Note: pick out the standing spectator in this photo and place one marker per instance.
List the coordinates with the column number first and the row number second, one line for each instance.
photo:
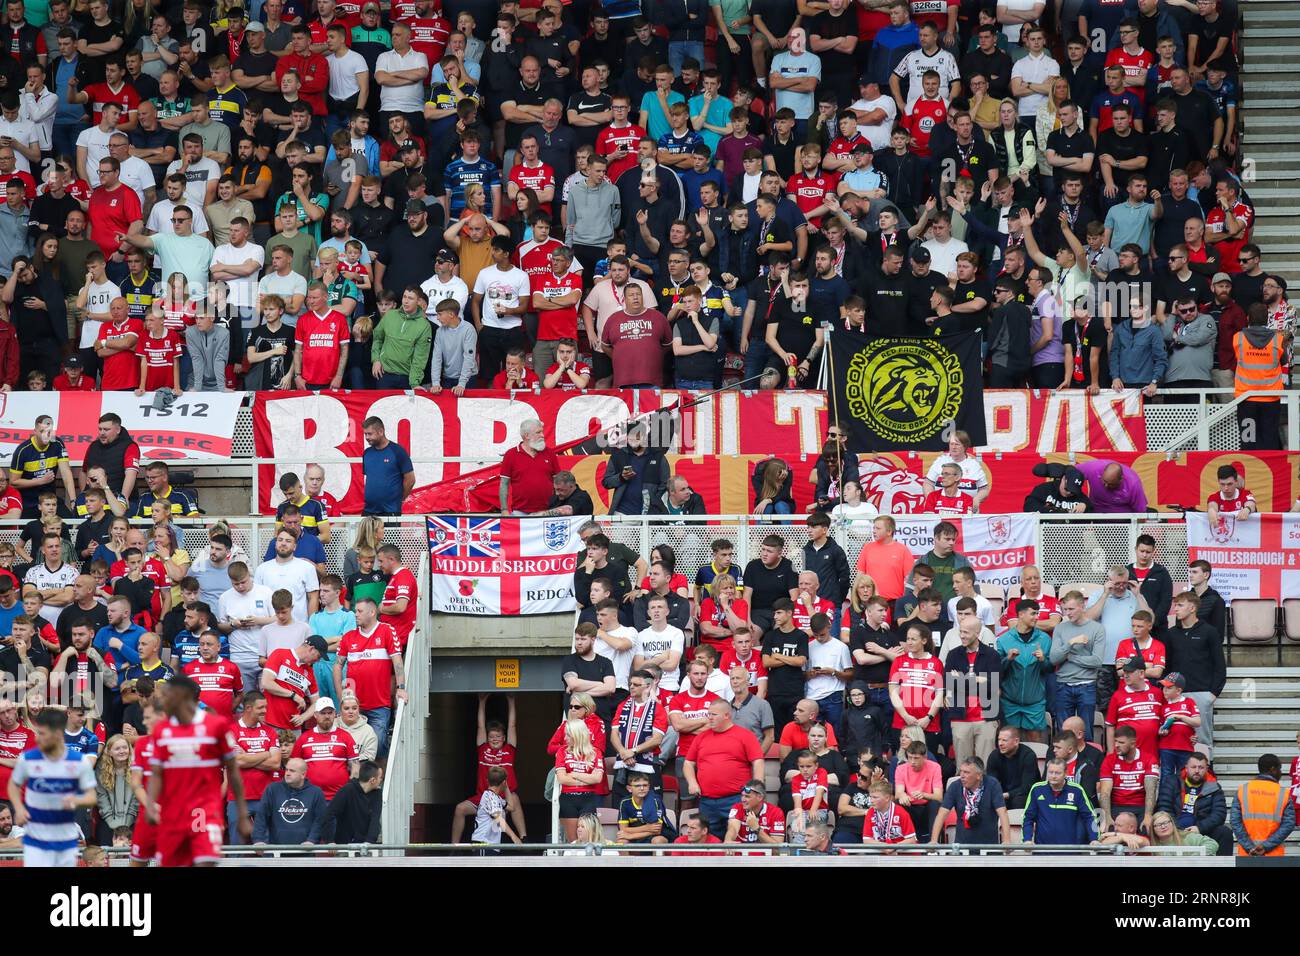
column 885, row 560
column 372, row 654
column 793, row 78
column 978, row 803
column 635, row 338
column 1213, row 611
column 390, row 476
column 587, row 672
column 1112, row 487
column 824, row 556
column 208, row 347
column 1024, row 650
column 400, row 345
column 828, row 670
column 501, row 298
column 528, row 471
column 785, row 655
column 1154, row 582
column 1077, row 648
column 916, row 686
column 660, row 645
column 181, row 251
column 972, row 675
column 1113, row 607
column 720, row 762
column 1195, row 651
column 293, row 574
column 322, row 338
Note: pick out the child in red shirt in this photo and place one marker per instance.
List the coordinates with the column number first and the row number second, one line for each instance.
column 160, row 352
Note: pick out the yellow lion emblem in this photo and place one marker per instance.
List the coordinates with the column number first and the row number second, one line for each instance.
column 904, row 390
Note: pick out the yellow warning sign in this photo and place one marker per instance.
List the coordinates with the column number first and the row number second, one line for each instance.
column 507, row 673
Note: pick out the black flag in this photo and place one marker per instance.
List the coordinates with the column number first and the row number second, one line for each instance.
column 907, row 393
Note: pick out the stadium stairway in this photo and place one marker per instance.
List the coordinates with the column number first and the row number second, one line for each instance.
column 1271, row 134
column 1258, row 712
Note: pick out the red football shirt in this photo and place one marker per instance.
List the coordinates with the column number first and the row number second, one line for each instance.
column 219, row 684
column 723, row 761
column 429, row 35
column 1181, row 736
column 327, row 753
column 558, row 323
column 754, row 665
column 611, row 139
column 938, row 503
column 1139, row 709
column 770, row 820
column 535, row 258
column 530, row 477
column 530, row 377
column 159, row 355
column 84, row 384
column 1229, row 249
column 489, row 757
column 1153, row 654
column 919, row 681
column 401, row 585
column 190, row 758
column 111, row 214
column 101, row 93
column 805, row 790
column 893, row 826
column 1126, row 777
column 692, row 708
column 1135, row 67
column 803, row 617
column 370, row 663
column 121, row 370
column 256, row 740
column 12, row 743
column 534, row 177
column 142, row 755
column 809, row 192
column 574, row 764
column 290, row 674
column 321, row 339
column 925, row 116
column 1047, row 606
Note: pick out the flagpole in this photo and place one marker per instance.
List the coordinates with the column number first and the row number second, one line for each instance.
column 828, row 376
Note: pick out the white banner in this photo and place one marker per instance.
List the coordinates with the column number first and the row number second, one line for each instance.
column 502, row 566
column 998, row 546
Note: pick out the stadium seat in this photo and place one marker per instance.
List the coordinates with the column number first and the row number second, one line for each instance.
column 608, row 817
column 1254, row 622
column 1085, row 588
column 1013, row 591
column 993, row 592
column 1291, row 618
column 1040, row 751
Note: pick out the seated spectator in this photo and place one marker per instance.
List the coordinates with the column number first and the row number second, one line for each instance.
column 678, row 499
column 723, row 614
column 1127, row 782
column 972, row 674
column 948, row 500
column 972, row 481
column 1197, row 802
column 660, row 581
column 918, row 788
column 568, row 499
column 771, row 483
column 1125, row 833
column 1014, row 766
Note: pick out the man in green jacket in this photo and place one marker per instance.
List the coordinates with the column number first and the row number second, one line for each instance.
column 400, row 344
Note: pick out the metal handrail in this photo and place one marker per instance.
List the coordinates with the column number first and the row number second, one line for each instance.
column 1201, row 430
column 410, row 717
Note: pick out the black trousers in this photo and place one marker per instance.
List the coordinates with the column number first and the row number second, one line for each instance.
column 782, row 712
column 737, row 66
column 999, row 377
column 493, row 344
column 1259, row 425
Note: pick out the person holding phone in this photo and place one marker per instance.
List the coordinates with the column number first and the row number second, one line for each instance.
column 1114, row 606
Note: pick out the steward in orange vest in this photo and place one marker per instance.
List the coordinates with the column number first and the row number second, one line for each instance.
column 1263, row 815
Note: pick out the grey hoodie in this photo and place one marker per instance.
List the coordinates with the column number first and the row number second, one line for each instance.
column 209, row 353
column 1191, row 348
column 593, row 213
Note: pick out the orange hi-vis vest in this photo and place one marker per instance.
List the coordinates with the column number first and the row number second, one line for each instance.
column 1262, row 803
column 1258, row 369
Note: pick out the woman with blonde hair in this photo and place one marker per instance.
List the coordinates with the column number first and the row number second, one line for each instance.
column 1013, row 142
column 771, row 483
column 862, row 591
column 578, row 771
column 1165, row 832
column 1047, row 122
column 117, row 803
column 369, row 534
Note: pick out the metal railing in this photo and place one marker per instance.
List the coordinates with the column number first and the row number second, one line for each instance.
column 408, row 736
column 1216, row 416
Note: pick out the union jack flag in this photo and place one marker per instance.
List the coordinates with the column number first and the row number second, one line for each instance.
column 465, row 537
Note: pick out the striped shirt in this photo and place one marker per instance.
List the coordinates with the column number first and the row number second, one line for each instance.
column 48, row 783
column 460, row 173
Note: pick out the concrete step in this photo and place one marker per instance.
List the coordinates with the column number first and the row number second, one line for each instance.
column 1273, row 704
column 1243, row 671
column 1225, row 736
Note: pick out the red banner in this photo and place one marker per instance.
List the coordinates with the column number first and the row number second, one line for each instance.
column 1071, row 421
column 304, row 427
column 1257, row 556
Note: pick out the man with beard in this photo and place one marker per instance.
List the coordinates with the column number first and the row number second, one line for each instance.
column 39, row 317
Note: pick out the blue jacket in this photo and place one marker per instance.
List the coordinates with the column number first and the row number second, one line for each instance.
column 1058, row 819
column 1137, row 356
column 128, row 653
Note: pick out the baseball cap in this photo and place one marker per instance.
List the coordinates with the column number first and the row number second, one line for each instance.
column 1220, row 277
column 1073, row 479
column 324, row 703
column 317, row 642
column 413, row 206
column 255, row 27
column 1134, row 663
column 920, row 254
column 1174, row 679
column 446, row 255
column 370, row 6
column 73, row 361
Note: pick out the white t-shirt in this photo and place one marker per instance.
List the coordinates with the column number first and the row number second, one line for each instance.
column 943, row 255
column 983, row 610
column 62, row 577
column 652, row 643
column 297, row 576
column 622, row 660
column 286, row 287
column 276, row 637
column 160, row 219
column 343, row 74
column 832, row 653
column 135, row 172
column 401, row 99
column 241, row 293
column 20, row 131
column 1034, row 69
column 877, row 134
column 915, row 65
column 245, row 642
column 1012, row 30
column 197, row 177
column 97, row 300
column 95, row 141
column 972, row 473
column 438, row 291
column 504, row 289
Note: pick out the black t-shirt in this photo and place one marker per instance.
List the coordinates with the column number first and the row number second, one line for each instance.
column 1208, row 35
column 1122, row 148
column 772, row 232
column 1173, row 288
column 93, row 33
column 778, row 15
column 595, row 670
column 521, row 95
column 1093, row 337
column 1169, row 227
column 34, row 533
column 968, row 291
column 617, row 573
column 97, row 616
column 1248, row 289
column 830, row 27
column 859, row 637
column 784, row 682
column 764, row 586
column 89, row 531
column 919, row 289
column 256, row 64
column 273, row 369
column 768, row 302
column 1196, row 116
column 887, row 304
column 140, row 593
column 995, row 66
column 583, row 103
column 37, row 656
column 782, row 154
column 796, row 331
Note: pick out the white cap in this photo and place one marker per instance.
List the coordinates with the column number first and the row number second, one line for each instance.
column 323, row 703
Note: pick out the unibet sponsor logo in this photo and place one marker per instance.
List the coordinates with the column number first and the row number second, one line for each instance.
column 904, row 391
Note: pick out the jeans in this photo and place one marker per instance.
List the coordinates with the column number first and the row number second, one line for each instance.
column 232, row 820
column 1048, row 374
column 393, row 380
column 693, row 384
column 64, row 138
column 678, row 50
column 778, row 508
column 379, row 719
column 831, row 708
column 1171, row 765
column 714, row 811
column 1075, row 699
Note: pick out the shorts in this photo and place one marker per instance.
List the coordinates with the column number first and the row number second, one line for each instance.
column 144, row 841
column 34, row 856
column 574, row 805
column 187, row 847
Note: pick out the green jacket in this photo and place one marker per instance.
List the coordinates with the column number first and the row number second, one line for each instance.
column 402, row 344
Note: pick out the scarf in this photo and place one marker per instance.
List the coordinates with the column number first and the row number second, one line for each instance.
column 972, row 803
column 882, row 824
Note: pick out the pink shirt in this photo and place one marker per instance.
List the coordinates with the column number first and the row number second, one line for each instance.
column 928, row 780
column 889, row 564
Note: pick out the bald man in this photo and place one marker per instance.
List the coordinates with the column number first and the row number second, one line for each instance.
column 115, row 346
column 1113, row 488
